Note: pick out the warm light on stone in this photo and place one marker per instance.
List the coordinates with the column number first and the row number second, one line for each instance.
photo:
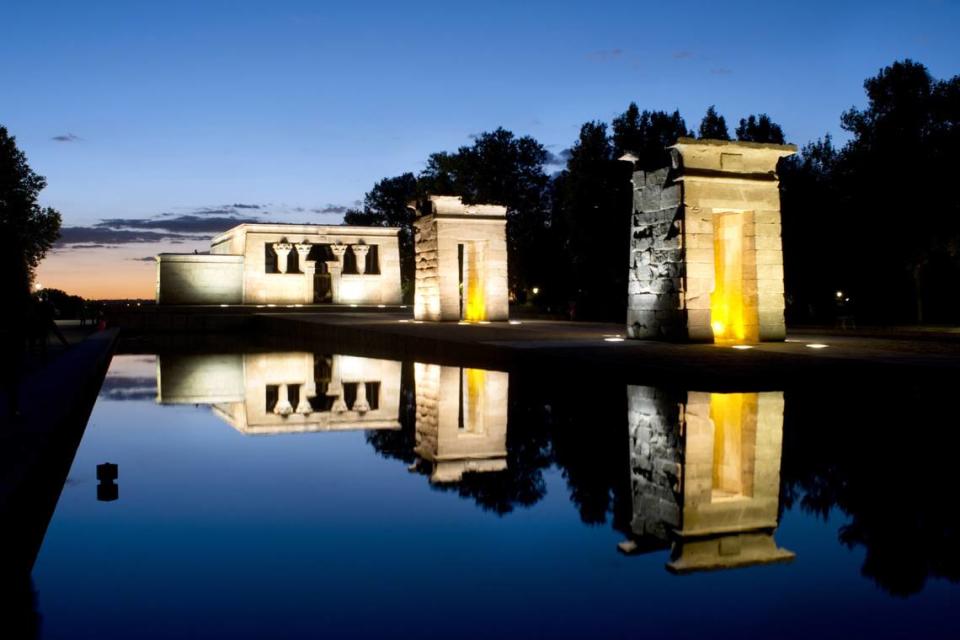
column 705, row 470
column 706, row 261
column 461, row 421
column 291, row 392
column 285, row 264
column 461, row 261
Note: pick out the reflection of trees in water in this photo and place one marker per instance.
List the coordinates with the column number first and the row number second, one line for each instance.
column 546, row 425
column 521, row 484
column 398, row 444
column 588, row 430
column 883, row 458
column 886, row 459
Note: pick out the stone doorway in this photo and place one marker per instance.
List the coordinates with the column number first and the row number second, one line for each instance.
column 734, row 316
column 470, row 263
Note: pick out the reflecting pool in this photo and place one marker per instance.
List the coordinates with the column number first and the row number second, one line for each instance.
column 303, row 494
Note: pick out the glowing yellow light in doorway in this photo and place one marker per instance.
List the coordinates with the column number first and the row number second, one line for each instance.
column 732, row 318
column 475, row 305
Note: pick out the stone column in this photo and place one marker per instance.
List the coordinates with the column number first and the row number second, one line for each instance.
column 360, row 405
column 309, row 269
column 339, row 405
column 335, row 269
column 282, row 249
column 283, row 407
column 304, row 407
column 361, row 251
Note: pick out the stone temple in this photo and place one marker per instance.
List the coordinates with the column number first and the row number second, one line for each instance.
column 286, row 264
column 706, row 259
column 461, row 261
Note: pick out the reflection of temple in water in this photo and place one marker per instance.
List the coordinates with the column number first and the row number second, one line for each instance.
column 461, row 420
column 705, row 475
column 294, row 392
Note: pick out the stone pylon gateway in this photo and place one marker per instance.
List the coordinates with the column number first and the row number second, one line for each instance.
column 706, row 259
column 461, row 261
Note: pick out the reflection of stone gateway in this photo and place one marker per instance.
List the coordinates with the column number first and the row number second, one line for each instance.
column 705, row 471
column 461, row 420
column 272, row 393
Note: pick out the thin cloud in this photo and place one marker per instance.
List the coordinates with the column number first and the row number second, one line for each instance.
column 330, row 208
column 188, row 223
column 67, row 137
column 86, row 237
column 144, row 259
column 683, row 54
column 605, row 55
column 240, row 205
column 720, row 71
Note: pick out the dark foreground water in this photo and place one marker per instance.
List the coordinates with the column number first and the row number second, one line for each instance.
column 269, row 495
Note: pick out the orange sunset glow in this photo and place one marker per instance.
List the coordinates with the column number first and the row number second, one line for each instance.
column 108, row 273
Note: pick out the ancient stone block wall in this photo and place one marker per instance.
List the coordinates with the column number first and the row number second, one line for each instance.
column 653, row 417
column 199, row 279
column 427, row 277
column 655, row 278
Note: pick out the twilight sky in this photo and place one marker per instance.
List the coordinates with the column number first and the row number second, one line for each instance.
column 157, row 123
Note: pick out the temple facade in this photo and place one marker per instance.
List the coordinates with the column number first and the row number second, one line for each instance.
column 286, row 264
column 706, row 258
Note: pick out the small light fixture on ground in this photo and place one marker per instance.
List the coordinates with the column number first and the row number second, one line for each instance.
column 613, row 338
column 742, row 347
column 816, row 345
column 515, row 322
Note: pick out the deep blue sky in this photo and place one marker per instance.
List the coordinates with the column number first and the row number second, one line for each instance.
column 295, row 104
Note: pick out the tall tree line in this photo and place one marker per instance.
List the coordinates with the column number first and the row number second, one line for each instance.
column 876, row 219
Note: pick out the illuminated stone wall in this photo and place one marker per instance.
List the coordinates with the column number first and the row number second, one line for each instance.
column 249, row 247
column 449, row 232
column 706, row 261
column 461, row 423
column 199, row 279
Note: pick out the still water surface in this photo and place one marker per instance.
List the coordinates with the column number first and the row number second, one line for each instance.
column 298, row 494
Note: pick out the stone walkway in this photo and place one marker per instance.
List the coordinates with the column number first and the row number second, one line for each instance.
column 56, row 397
column 571, row 349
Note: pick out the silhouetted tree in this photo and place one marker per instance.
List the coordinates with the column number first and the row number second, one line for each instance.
column 27, row 230
column 813, row 210
column 386, row 205
column 594, row 214
column 714, row 126
column 500, row 168
column 759, row 129
column 647, row 135
column 897, row 175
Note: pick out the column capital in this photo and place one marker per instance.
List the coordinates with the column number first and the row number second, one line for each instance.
column 361, row 251
column 338, row 251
